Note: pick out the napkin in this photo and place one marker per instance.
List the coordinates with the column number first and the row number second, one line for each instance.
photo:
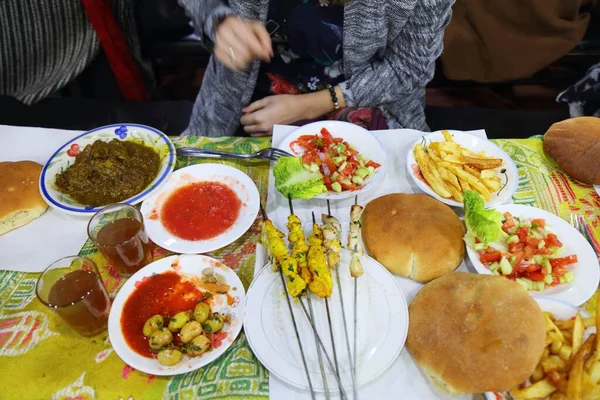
column 31, row 248
column 404, row 379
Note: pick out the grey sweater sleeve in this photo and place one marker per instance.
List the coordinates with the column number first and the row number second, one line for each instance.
column 202, row 13
column 409, row 61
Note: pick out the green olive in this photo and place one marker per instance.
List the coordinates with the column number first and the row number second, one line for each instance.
column 214, row 323
column 153, row 323
column 179, row 320
column 201, row 312
column 190, row 331
column 198, row 346
column 160, row 338
column 169, row 356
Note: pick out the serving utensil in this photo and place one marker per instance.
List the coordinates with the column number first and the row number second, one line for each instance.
column 269, row 154
column 579, row 223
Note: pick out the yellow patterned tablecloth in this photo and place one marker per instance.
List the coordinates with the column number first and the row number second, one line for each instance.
column 41, row 358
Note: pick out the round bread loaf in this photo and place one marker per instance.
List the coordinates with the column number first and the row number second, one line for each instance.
column 413, row 235
column 575, row 146
column 475, row 333
column 20, row 199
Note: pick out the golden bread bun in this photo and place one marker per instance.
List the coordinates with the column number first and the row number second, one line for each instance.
column 20, row 199
column 575, row 146
column 475, row 333
column 413, row 235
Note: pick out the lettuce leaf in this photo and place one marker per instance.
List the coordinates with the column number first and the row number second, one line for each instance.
column 481, row 223
column 294, row 180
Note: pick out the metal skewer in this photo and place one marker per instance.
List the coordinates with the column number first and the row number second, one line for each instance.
column 312, row 318
column 289, row 303
column 337, row 277
column 354, row 364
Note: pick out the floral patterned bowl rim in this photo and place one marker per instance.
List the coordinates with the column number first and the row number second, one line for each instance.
column 65, row 155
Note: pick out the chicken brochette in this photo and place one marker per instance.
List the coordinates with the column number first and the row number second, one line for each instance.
column 331, row 240
column 300, row 248
column 356, row 268
column 321, row 284
column 288, row 265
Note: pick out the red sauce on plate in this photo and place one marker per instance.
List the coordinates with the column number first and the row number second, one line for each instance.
column 165, row 294
column 200, row 211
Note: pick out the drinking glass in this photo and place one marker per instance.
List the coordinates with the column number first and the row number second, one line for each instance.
column 73, row 288
column 118, row 233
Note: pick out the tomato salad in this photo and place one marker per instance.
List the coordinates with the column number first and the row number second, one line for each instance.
column 342, row 166
column 529, row 254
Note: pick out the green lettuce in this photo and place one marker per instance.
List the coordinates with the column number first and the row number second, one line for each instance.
column 481, row 223
column 294, row 180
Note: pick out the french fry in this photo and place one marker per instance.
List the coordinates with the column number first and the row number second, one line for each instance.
column 473, row 181
column 481, row 163
column 449, row 177
column 456, row 194
column 447, row 136
column 425, row 164
column 551, row 327
column 568, row 323
column 578, row 329
column 471, row 171
column 575, row 379
column 597, row 319
column 488, row 174
column 538, row 390
column 553, row 363
column 594, row 372
column 491, row 184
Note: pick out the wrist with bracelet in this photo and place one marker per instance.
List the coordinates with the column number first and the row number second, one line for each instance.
column 334, row 99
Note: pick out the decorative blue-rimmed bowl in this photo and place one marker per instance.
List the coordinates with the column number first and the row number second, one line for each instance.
column 66, row 154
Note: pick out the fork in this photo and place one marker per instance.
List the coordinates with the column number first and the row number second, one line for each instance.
column 578, row 223
column 270, row 154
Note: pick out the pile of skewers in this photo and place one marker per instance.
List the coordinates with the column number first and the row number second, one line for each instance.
column 308, row 269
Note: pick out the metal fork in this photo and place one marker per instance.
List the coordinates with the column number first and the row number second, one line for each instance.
column 578, row 223
column 270, row 154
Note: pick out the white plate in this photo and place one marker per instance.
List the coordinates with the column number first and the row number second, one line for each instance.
column 187, row 265
column 597, row 189
column 586, row 271
column 561, row 310
column 475, row 144
column 65, row 156
column 382, row 326
column 360, row 138
column 238, row 181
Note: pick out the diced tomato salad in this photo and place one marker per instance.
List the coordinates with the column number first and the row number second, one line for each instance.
column 529, row 254
column 342, row 166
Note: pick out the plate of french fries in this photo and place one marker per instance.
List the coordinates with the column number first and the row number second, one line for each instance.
column 569, row 368
column 444, row 164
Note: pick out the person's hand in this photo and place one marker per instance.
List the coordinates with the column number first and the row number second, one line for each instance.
column 238, row 42
column 260, row 116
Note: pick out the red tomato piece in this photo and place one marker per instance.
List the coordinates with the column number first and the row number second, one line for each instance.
column 507, row 215
column 528, row 252
column 490, row 257
column 522, row 234
column 508, row 224
column 543, row 251
column 535, row 276
column 531, row 241
column 533, row 268
column 516, row 247
column 552, row 240
column 327, row 181
column 326, row 136
column 373, row 164
column 539, row 222
column 564, row 261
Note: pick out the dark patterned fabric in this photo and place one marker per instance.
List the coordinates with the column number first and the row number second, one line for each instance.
column 584, row 96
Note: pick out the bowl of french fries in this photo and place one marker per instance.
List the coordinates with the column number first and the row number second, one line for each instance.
column 569, row 368
column 445, row 164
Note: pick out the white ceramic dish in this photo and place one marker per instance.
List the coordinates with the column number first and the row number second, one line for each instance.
column 586, row 271
column 561, row 310
column 187, row 265
column 360, row 138
column 382, row 326
column 597, row 189
column 475, row 144
column 239, row 182
column 66, row 154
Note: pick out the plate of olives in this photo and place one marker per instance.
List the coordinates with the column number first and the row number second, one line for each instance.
column 177, row 314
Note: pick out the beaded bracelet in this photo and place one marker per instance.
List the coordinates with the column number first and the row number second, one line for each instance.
column 334, row 98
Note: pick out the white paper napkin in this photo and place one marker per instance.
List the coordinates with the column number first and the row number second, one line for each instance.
column 404, row 379
column 54, row 235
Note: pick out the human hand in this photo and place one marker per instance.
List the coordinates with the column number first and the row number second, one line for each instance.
column 238, row 42
column 260, row 116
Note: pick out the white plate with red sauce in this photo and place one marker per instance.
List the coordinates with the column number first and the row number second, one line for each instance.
column 135, row 303
column 201, row 208
column 359, row 138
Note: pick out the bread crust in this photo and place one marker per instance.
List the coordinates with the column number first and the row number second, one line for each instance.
column 575, row 146
column 20, row 199
column 475, row 333
column 413, row 235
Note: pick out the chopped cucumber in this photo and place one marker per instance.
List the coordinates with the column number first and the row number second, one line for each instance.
column 361, row 163
column 505, row 266
column 357, row 180
column 522, row 282
column 336, row 187
column 539, row 286
column 528, row 282
column 541, row 245
column 343, row 166
column 513, row 239
column 495, row 272
column 362, row 172
column 538, row 259
column 339, row 160
column 346, row 182
column 562, row 279
column 371, row 170
column 341, row 148
column 548, row 279
column 334, row 176
column 548, row 267
column 494, row 266
column 569, row 277
column 513, row 260
column 469, row 239
column 314, row 167
column 479, row 246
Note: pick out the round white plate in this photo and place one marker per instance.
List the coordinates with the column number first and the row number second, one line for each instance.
column 186, row 265
column 586, row 271
column 475, row 144
column 238, row 181
column 382, row 326
column 561, row 310
column 360, row 138
column 597, row 189
column 65, row 156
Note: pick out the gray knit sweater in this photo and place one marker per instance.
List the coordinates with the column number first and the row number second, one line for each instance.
column 390, row 48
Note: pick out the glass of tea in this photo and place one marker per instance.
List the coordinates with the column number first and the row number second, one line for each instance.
column 118, row 233
column 73, row 288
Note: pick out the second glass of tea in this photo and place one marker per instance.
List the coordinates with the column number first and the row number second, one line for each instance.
column 118, row 233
